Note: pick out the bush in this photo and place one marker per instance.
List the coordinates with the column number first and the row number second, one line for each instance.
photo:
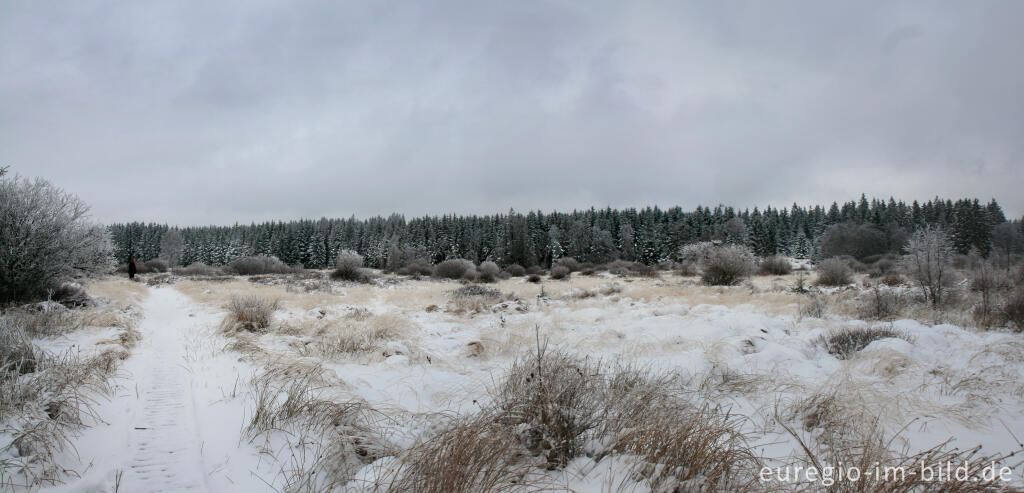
column 686, row 269
column 456, row 268
column 833, row 272
column 560, row 272
column 727, row 266
column 534, row 278
column 569, row 263
column 416, row 268
column 515, row 270
column 844, row 343
column 882, row 304
column 349, row 267
column 248, row 266
column 928, row 259
column 775, row 266
column 197, row 269
column 147, row 267
column 251, row 313
column 46, row 239
column 489, row 272
column 625, row 268
column 1013, row 309
column 71, row 296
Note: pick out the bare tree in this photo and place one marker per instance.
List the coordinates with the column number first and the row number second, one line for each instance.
column 45, row 238
column 928, row 257
column 171, row 246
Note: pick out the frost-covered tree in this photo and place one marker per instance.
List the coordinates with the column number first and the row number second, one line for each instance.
column 46, row 238
column 929, row 254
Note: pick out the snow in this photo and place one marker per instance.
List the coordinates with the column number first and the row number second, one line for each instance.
column 181, row 404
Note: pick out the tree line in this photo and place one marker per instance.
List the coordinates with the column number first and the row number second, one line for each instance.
column 649, row 235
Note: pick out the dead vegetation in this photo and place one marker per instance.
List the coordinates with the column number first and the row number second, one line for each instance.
column 47, row 397
column 250, row 313
column 844, row 343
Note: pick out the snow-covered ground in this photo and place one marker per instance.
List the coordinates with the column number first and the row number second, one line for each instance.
column 417, row 355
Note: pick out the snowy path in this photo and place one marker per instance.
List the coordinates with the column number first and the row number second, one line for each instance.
column 174, row 423
column 167, row 454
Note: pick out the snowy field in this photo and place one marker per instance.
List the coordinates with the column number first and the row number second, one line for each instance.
column 593, row 383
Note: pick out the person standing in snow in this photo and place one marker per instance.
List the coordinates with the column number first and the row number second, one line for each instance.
column 131, row 269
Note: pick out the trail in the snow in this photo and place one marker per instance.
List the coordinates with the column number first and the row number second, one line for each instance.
column 166, row 447
column 173, row 422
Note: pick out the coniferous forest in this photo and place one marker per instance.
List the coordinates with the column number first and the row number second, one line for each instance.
column 649, row 235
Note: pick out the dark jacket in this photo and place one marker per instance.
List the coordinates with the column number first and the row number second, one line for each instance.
column 131, row 267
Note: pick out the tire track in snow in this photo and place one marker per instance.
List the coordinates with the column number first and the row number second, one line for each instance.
column 165, row 442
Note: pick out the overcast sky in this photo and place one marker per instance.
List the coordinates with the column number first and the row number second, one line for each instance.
column 216, row 112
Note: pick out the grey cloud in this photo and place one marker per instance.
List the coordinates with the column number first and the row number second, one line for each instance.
column 192, row 112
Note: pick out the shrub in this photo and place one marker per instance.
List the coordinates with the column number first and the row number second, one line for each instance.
column 560, row 272
column 816, row 307
column 1013, row 309
column 416, row 268
column 71, row 296
column 727, row 266
column 251, row 313
column 256, row 265
column 892, row 279
column 569, row 263
column 489, row 272
column 686, row 269
column 515, row 270
column 197, row 269
column 929, row 254
column 349, row 267
column 833, row 272
column 844, row 343
column 775, row 266
column 46, row 239
column 534, row 278
column 882, row 304
column 455, row 268
column 625, row 268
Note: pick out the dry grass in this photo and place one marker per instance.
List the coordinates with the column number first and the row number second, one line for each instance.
column 119, row 290
column 328, row 439
column 249, row 313
column 844, row 343
column 472, row 454
column 43, row 408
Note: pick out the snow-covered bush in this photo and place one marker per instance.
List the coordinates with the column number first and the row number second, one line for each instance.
column 569, row 263
column 197, row 269
column 489, row 272
column 928, row 259
column 727, row 265
column 456, row 268
column 833, row 272
column 775, row 266
column 560, row 272
column 349, row 267
column 46, row 238
column 259, row 265
column 515, row 270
